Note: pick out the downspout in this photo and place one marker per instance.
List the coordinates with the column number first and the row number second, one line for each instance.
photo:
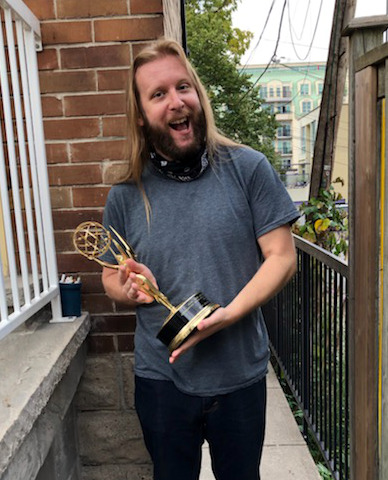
column 183, row 23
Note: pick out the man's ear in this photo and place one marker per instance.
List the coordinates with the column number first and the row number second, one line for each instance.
column 140, row 121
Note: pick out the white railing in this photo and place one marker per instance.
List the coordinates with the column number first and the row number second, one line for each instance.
column 28, row 268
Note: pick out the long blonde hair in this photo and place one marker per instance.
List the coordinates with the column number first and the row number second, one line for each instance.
column 137, row 153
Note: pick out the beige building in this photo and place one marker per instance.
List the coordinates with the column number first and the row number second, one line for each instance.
column 304, row 152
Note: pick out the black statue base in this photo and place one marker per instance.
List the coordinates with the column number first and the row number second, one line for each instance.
column 182, row 322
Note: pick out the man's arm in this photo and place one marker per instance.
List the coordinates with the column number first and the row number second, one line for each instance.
column 278, row 267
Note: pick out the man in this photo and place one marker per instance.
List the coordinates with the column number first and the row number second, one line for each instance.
column 197, row 208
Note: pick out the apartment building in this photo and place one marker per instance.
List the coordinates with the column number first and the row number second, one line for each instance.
column 293, row 92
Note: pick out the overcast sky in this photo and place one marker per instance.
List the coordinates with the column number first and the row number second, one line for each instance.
column 305, row 30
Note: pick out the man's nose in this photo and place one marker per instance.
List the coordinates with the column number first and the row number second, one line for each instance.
column 176, row 103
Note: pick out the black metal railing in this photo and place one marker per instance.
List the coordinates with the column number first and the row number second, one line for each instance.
column 308, row 328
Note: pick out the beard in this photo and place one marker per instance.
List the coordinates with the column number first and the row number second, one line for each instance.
column 163, row 142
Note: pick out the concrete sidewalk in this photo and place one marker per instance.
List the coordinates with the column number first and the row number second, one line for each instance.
column 285, row 454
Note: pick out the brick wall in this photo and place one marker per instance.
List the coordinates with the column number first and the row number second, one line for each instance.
column 87, row 50
column 88, row 46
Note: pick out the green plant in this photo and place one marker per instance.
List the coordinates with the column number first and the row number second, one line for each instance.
column 324, row 472
column 323, row 223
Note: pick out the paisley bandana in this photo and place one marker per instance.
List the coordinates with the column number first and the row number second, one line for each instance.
column 186, row 171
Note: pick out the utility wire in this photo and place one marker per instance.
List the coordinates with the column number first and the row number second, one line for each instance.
column 261, row 35
column 304, row 21
column 273, row 55
column 312, row 38
column 307, row 69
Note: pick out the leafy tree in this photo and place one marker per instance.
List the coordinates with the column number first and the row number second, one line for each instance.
column 215, row 49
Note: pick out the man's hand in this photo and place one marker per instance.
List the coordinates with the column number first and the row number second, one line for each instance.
column 127, row 277
column 121, row 286
column 208, row 326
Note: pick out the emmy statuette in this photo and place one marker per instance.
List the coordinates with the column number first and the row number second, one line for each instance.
column 93, row 240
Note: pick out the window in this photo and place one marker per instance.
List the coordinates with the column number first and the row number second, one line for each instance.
column 303, row 134
column 286, row 163
column 271, row 92
column 320, row 88
column 283, row 108
column 306, row 106
column 313, row 130
column 284, row 130
column 286, row 91
column 278, row 92
column 263, row 92
column 304, row 89
column 284, row 147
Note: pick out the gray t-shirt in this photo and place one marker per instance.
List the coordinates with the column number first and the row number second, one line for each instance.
column 203, row 237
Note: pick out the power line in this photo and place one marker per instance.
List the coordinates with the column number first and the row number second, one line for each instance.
column 274, row 53
column 297, row 44
column 314, row 33
column 304, row 21
column 261, row 35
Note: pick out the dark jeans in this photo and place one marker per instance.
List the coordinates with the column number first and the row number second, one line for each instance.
column 175, row 425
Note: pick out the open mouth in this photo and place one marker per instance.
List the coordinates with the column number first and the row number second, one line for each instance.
column 179, row 125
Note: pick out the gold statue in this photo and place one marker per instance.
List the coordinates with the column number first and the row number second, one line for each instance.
column 93, row 240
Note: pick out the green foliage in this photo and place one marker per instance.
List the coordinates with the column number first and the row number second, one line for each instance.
column 324, row 472
column 215, row 49
column 324, row 223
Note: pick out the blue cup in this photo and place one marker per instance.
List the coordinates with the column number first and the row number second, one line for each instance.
column 70, row 299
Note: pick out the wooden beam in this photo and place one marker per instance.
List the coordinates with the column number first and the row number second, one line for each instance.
column 374, row 57
column 379, row 22
column 365, row 273
column 332, row 99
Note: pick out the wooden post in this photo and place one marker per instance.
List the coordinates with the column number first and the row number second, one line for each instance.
column 364, row 173
column 332, row 98
column 384, row 300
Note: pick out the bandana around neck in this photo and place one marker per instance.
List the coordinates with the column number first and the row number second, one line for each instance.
column 185, row 171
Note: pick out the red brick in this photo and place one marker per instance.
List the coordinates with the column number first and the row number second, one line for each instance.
column 43, row 9
column 99, row 104
column 56, row 153
column 125, row 342
column 61, row 82
column 91, row 283
column 91, row 8
column 64, row 242
column 128, row 29
column 74, row 174
column 52, row 107
column 91, row 57
column 48, row 59
column 97, row 151
column 114, row 126
column 114, row 172
column 90, row 197
column 70, row 219
column 149, row 6
column 114, row 323
column 71, row 128
column 96, row 303
column 138, row 47
column 61, row 197
column 66, row 32
column 100, row 344
column 75, row 263
column 112, row 79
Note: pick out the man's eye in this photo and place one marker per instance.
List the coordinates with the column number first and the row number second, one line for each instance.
column 184, row 86
column 157, row 94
